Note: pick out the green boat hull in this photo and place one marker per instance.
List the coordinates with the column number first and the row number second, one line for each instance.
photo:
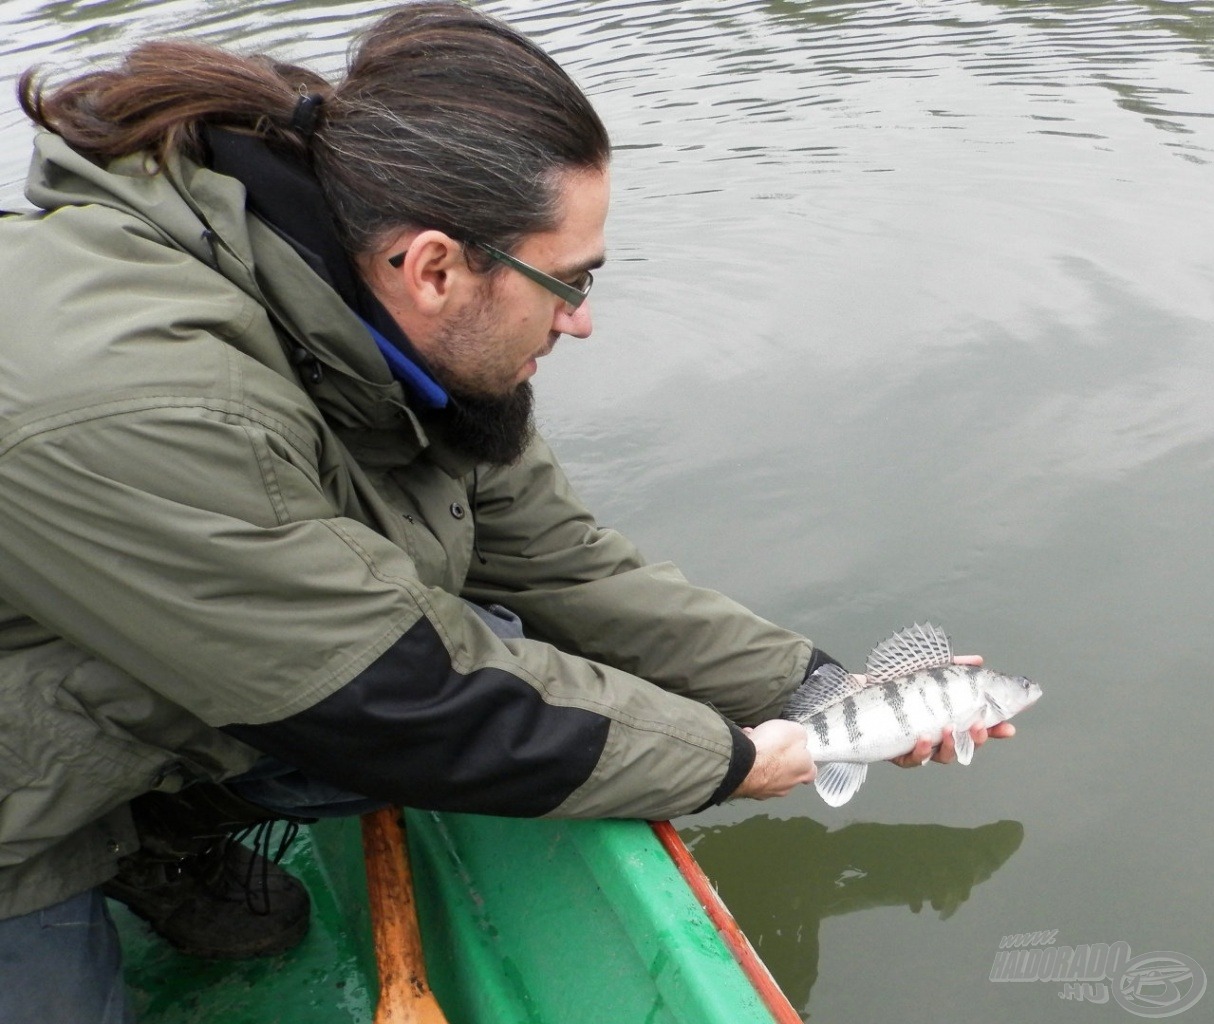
column 522, row 921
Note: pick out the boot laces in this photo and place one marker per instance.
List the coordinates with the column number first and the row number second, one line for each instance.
column 251, row 874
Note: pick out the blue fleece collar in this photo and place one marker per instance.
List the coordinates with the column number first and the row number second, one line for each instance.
column 405, row 370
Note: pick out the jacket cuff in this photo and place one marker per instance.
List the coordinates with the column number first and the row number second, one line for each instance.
column 817, row 659
column 740, row 762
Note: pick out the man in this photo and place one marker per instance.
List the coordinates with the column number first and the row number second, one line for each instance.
column 274, row 514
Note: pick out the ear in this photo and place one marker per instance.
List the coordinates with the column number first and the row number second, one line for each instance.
column 431, row 276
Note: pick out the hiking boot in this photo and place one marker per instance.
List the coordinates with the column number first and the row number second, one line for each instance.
column 200, row 888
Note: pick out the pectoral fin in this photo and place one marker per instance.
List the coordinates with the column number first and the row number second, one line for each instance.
column 838, row 781
column 963, row 743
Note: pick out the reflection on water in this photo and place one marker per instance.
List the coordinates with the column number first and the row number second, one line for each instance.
column 782, row 878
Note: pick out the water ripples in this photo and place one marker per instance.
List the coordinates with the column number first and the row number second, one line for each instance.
column 908, row 307
column 694, row 72
column 746, row 79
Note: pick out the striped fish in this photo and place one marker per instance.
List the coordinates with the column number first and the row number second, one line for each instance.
column 911, row 688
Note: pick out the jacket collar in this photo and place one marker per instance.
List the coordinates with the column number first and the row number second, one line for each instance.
column 205, row 213
column 285, row 194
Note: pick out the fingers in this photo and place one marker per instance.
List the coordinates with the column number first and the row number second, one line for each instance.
column 917, row 756
column 946, row 751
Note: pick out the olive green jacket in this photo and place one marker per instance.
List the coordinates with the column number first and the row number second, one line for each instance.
column 192, row 536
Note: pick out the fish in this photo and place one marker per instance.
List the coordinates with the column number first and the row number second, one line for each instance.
column 910, row 688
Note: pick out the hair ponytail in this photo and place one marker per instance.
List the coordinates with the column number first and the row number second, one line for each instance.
column 447, row 118
column 154, row 101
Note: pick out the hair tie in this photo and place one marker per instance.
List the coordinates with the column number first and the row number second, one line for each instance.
column 306, row 114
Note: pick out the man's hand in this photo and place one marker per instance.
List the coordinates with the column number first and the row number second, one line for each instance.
column 925, row 749
column 782, row 760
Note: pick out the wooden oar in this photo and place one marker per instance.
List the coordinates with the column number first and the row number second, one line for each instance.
column 404, row 994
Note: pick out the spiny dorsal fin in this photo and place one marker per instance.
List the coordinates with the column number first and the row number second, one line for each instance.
column 914, row 649
column 828, row 685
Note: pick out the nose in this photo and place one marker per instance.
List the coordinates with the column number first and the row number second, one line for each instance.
column 577, row 324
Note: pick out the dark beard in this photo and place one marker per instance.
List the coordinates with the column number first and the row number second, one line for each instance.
column 492, row 430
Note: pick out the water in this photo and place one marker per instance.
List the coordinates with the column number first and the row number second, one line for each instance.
column 908, row 315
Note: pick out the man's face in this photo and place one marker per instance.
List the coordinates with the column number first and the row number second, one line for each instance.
column 490, row 347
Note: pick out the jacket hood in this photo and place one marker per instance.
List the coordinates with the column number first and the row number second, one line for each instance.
column 283, row 191
column 210, row 216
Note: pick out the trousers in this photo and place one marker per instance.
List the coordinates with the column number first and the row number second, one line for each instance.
column 63, row 964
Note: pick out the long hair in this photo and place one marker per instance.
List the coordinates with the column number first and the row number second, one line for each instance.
column 446, row 118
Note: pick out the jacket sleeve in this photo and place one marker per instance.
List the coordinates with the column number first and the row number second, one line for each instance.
column 191, row 543
column 587, row 589
column 482, row 741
